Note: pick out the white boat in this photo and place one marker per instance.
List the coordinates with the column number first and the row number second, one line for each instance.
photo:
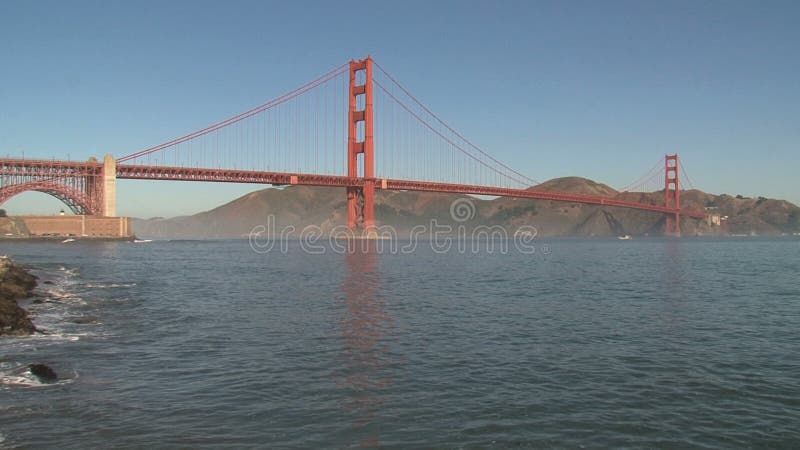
column 140, row 241
column 67, row 240
column 626, row 237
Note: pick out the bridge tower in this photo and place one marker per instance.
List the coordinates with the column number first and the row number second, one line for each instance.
column 109, row 180
column 361, row 199
column 672, row 194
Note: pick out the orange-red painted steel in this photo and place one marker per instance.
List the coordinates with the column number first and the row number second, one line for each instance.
column 77, row 184
column 80, row 184
column 672, row 195
column 361, row 199
column 59, row 170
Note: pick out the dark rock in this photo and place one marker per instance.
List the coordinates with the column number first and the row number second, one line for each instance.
column 44, row 373
column 85, row 320
column 15, row 284
column 47, row 282
column 14, row 320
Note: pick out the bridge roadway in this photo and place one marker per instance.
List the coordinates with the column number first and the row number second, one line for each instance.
column 137, row 172
column 54, row 170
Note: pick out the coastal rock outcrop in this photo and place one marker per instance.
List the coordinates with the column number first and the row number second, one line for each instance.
column 15, row 284
column 43, row 372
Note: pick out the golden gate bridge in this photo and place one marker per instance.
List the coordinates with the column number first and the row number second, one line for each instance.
column 355, row 127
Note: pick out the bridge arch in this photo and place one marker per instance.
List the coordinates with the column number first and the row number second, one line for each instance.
column 78, row 201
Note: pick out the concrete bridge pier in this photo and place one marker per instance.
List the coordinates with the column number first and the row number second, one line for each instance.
column 109, row 203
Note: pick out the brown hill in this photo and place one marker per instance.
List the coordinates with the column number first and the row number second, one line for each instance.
column 760, row 215
column 576, row 185
column 300, row 206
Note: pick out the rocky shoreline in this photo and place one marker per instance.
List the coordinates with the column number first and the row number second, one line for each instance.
column 15, row 284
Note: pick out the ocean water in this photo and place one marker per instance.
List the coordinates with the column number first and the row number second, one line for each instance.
column 582, row 343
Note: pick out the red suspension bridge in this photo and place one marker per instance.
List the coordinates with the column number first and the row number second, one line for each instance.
column 324, row 133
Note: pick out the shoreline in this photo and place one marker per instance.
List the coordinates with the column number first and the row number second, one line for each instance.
column 16, row 283
column 63, row 238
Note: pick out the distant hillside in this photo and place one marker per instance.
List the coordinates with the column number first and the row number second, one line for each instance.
column 300, row 206
column 576, row 185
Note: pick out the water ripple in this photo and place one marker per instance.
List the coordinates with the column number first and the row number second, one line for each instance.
column 206, row 344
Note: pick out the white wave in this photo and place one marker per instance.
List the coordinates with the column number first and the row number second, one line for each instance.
column 66, row 337
column 59, row 294
column 49, row 335
column 71, row 272
column 55, row 308
column 29, row 380
column 109, row 285
column 20, row 381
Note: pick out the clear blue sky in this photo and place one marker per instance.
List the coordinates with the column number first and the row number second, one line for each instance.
column 600, row 89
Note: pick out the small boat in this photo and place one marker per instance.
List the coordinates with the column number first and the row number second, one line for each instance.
column 141, row 241
column 626, row 237
column 67, row 240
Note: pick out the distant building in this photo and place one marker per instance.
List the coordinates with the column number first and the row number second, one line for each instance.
column 78, row 225
column 712, row 217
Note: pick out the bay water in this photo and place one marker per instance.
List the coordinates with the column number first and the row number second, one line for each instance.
column 665, row 343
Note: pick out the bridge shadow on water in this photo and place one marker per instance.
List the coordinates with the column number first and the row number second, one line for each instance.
column 368, row 363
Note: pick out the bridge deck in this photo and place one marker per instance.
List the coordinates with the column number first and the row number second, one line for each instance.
column 125, row 171
column 64, row 169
